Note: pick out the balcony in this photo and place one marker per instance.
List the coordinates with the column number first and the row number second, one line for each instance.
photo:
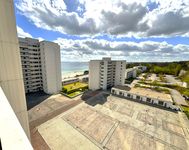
column 12, row 134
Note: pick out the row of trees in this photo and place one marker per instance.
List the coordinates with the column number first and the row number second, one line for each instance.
column 171, row 68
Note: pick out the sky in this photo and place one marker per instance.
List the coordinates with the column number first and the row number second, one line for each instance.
column 132, row 30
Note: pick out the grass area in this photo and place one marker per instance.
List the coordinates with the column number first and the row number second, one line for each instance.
column 74, row 89
column 74, row 86
column 186, row 110
column 74, row 94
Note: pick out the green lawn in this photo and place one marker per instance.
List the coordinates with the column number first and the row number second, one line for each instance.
column 74, row 89
column 74, row 94
column 75, row 86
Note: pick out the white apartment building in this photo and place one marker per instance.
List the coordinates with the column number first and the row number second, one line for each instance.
column 41, row 65
column 51, row 67
column 106, row 73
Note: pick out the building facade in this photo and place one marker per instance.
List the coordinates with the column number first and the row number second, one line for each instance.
column 41, row 65
column 106, row 73
column 31, row 64
column 11, row 78
column 51, row 67
column 130, row 73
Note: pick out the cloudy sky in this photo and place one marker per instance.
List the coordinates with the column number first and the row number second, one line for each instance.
column 135, row 30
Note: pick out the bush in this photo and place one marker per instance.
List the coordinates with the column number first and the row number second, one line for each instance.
column 64, row 90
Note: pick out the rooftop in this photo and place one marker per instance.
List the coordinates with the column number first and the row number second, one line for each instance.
column 147, row 93
column 123, row 125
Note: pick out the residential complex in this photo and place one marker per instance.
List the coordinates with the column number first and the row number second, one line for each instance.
column 41, row 65
column 106, row 73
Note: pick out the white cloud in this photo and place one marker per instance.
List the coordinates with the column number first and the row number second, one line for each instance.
column 84, row 50
column 111, row 17
column 22, row 33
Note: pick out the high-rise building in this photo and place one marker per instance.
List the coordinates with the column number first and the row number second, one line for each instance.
column 106, row 73
column 11, row 84
column 31, row 64
column 51, row 67
column 41, row 65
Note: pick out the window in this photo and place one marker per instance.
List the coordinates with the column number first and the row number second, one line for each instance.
column 128, row 95
column 138, row 97
column 160, row 103
column 148, row 100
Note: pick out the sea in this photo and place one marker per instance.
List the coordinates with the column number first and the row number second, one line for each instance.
column 72, row 67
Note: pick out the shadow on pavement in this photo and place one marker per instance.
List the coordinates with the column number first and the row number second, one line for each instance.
column 97, row 99
column 35, row 98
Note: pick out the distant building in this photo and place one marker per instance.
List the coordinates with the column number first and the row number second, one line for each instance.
column 130, row 73
column 69, row 81
column 141, row 68
column 41, row 65
column 106, row 73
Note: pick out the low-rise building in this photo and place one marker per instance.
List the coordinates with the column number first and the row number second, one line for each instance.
column 69, row 81
column 145, row 95
column 106, row 73
column 141, row 68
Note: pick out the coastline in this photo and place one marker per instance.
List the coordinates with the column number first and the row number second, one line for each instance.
column 66, row 75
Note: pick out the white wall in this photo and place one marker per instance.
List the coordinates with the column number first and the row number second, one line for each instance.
column 51, row 67
column 11, row 78
column 94, row 75
column 120, row 73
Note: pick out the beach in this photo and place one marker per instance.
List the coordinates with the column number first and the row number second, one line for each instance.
column 71, row 74
column 71, row 69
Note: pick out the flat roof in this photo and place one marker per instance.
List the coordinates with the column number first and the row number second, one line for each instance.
column 147, row 93
column 122, row 125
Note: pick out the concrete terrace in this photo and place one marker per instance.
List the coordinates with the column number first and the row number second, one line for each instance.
column 114, row 124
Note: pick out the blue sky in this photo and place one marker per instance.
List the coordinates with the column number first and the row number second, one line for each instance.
column 132, row 30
